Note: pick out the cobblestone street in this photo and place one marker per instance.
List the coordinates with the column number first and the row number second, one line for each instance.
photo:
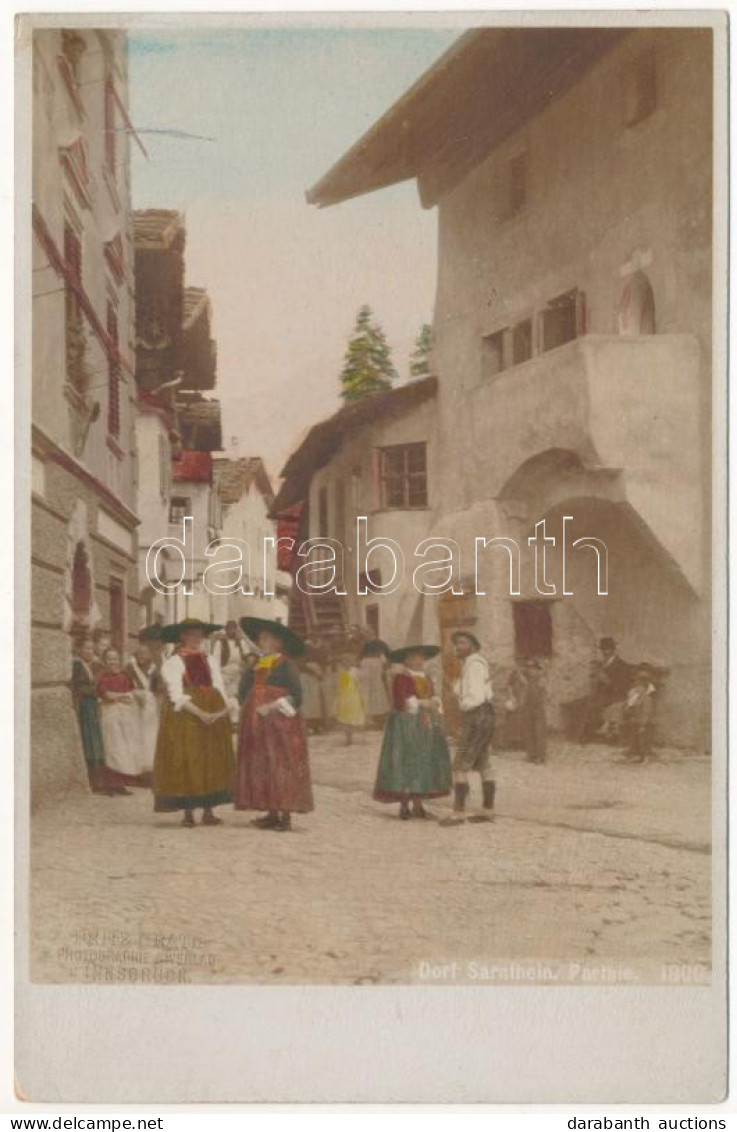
column 595, row 867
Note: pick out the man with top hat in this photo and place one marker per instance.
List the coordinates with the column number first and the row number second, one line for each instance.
column 273, row 763
column 193, row 764
column 414, row 762
column 474, row 694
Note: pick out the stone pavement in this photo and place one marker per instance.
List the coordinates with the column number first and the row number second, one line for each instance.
column 594, row 870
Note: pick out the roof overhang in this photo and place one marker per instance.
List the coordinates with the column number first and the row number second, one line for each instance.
column 326, row 438
column 478, row 93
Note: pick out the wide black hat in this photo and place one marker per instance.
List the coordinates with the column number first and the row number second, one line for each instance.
column 400, row 655
column 469, row 637
column 172, row 633
column 292, row 644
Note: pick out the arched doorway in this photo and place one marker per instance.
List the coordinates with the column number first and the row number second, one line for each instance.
column 637, row 306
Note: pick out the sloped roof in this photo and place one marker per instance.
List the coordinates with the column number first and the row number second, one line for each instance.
column 196, row 303
column 481, row 90
column 234, row 478
column 192, row 467
column 156, row 227
column 326, row 438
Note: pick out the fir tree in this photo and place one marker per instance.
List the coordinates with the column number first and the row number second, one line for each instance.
column 367, row 368
column 419, row 362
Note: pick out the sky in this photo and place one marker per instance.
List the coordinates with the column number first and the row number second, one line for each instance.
column 272, row 109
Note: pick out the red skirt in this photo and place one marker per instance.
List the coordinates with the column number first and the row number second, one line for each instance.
column 273, row 764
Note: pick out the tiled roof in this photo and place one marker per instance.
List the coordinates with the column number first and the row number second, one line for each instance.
column 234, row 477
column 192, row 467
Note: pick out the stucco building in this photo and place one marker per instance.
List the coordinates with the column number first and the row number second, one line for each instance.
column 83, row 445
column 571, row 170
column 246, row 498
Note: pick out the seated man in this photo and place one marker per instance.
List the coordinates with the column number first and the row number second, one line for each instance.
column 610, row 681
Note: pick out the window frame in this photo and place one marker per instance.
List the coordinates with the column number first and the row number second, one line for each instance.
column 404, row 478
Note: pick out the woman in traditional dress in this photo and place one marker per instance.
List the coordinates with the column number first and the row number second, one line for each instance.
column 193, row 766
column 142, row 673
column 349, row 712
column 86, row 703
column 273, row 763
column 373, row 666
column 121, row 730
column 414, row 761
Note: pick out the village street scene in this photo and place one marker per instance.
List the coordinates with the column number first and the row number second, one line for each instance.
column 370, row 497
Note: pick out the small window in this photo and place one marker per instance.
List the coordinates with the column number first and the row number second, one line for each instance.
column 179, row 508
column 522, row 342
column 495, row 353
column 639, row 90
column 562, row 319
column 403, row 476
column 533, row 629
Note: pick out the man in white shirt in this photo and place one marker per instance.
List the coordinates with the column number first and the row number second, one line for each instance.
column 474, row 694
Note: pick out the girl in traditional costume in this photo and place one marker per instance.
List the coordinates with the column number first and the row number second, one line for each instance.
column 142, row 673
column 349, row 711
column 273, row 763
column 414, row 761
column 193, row 766
column 121, row 732
column 86, row 703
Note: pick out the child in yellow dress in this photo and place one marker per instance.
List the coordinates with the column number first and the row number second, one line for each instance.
column 349, row 710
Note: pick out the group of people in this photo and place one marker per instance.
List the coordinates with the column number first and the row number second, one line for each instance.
column 345, row 683
column 166, row 719
column 621, row 701
column 117, row 707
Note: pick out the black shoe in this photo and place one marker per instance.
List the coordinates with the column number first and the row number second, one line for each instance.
column 270, row 821
column 283, row 824
column 404, row 812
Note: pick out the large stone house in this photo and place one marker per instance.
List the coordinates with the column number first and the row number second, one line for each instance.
column 83, row 445
column 571, row 169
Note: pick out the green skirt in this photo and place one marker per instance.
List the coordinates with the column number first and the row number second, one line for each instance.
column 194, row 764
column 414, row 759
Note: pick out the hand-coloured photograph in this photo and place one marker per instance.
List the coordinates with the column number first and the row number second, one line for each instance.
column 371, row 376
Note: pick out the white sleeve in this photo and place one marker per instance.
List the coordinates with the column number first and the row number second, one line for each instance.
column 475, row 684
column 285, row 707
column 172, row 673
column 412, row 704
